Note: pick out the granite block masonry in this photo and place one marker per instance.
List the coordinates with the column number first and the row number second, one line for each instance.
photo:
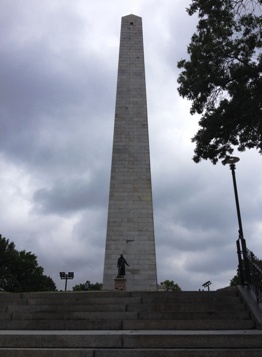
column 130, row 226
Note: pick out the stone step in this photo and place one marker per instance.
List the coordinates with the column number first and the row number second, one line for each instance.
column 60, row 325
column 60, row 296
column 182, row 307
column 67, row 295
column 187, row 295
column 108, row 315
column 92, row 307
column 191, row 300
column 87, row 352
column 116, row 315
column 113, row 298
column 236, row 324
column 87, row 301
column 67, row 308
column 133, row 339
column 223, row 292
column 116, row 301
column 206, row 324
column 211, row 315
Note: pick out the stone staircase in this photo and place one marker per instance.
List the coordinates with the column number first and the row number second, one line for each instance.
column 130, row 324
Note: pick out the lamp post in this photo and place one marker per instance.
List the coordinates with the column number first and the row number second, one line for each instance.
column 67, row 276
column 206, row 285
column 241, row 243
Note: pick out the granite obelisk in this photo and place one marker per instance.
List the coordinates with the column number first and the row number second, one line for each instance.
column 130, row 226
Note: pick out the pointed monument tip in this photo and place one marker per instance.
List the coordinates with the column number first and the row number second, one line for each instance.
column 132, row 15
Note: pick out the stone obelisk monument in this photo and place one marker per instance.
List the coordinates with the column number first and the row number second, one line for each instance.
column 130, row 226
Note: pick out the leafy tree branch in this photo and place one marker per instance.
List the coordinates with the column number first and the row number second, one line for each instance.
column 19, row 270
column 223, row 77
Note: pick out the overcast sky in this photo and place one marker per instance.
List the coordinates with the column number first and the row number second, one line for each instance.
column 58, row 70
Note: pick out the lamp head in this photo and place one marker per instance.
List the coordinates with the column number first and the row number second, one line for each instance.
column 230, row 160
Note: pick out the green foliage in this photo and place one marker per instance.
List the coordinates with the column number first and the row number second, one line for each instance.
column 223, row 77
column 79, row 287
column 92, row 287
column 255, row 273
column 96, row 286
column 169, row 285
column 235, row 280
column 19, row 271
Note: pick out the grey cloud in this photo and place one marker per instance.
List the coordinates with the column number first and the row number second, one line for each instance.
column 212, row 261
column 48, row 95
column 73, row 195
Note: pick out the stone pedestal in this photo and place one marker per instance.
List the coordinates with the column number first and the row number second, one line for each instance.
column 120, row 284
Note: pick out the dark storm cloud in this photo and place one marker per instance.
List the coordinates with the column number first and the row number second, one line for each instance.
column 73, row 195
column 39, row 101
column 51, row 87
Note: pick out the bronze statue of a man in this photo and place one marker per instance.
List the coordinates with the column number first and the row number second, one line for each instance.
column 121, row 265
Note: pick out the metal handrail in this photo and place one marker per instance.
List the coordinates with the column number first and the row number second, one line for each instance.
column 255, row 270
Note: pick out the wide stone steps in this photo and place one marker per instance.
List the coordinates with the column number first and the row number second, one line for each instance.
column 133, row 343
column 124, row 311
column 116, row 315
column 130, row 324
column 127, row 325
column 159, row 307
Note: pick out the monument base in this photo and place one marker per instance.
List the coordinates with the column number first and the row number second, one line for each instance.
column 120, row 284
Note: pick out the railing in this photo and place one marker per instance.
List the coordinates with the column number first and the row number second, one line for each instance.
column 250, row 269
column 255, row 274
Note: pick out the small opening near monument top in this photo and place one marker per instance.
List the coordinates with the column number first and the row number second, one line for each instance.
column 131, row 23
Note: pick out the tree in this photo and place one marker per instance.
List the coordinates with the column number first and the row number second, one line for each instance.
column 96, row 286
column 79, row 287
column 223, row 77
column 19, row 271
column 236, row 279
column 169, row 285
column 92, row 287
column 255, row 272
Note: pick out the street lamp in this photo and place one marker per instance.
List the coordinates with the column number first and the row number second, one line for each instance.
column 206, row 285
column 65, row 276
column 241, row 243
